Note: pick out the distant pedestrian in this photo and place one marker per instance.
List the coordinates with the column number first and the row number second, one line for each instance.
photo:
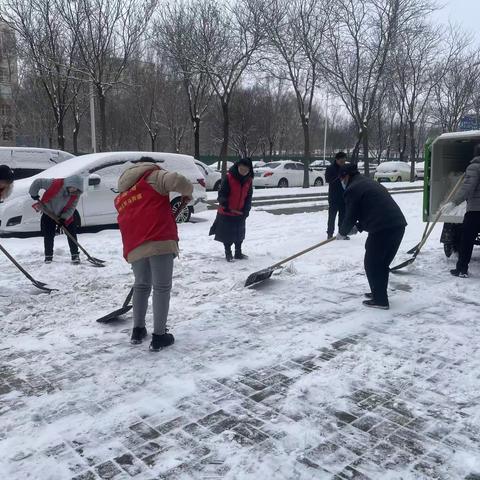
column 470, row 192
column 235, row 200
column 150, row 242
column 336, row 202
column 370, row 207
column 60, row 198
column 6, row 181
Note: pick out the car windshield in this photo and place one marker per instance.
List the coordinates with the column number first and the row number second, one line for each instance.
column 272, row 165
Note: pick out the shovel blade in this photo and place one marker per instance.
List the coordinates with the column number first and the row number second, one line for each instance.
column 403, row 265
column 413, row 249
column 96, row 262
column 259, row 276
column 114, row 315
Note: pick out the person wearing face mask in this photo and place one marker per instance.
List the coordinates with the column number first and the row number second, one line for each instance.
column 336, row 203
column 6, row 181
column 235, row 202
column 370, row 207
column 60, row 197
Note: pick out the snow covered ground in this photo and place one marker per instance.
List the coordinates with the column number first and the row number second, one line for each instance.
column 293, row 380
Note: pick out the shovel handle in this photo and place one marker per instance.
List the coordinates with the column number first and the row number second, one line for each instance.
column 303, row 252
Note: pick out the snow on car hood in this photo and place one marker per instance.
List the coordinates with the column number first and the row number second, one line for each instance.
column 84, row 164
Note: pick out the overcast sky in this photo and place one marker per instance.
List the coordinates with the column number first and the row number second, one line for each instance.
column 466, row 12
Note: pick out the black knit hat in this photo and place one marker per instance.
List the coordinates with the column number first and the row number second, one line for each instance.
column 246, row 161
column 349, row 169
column 6, row 173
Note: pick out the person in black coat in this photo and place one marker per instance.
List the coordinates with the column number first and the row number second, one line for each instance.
column 370, row 207
column 336, row 203
column 235, row 202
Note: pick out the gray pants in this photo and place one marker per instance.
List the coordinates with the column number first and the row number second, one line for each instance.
column 156, row 271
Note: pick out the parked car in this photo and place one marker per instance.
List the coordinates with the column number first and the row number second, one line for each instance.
column 320, row 164
column 285, row 173
column 101, row 172
column 372, row 167
column 213, row 178
column 26, row 162
column 420, row 170
column 393, row 172
column 258, row 163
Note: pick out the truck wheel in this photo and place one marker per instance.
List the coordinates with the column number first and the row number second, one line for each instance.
column 448, row 249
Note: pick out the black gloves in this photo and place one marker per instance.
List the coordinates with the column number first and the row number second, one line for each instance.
column 35, row 197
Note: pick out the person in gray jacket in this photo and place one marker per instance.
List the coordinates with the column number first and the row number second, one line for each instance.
column 60, row 197
column 470, row 192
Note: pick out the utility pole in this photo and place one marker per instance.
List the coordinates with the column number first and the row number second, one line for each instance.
column 92, row 119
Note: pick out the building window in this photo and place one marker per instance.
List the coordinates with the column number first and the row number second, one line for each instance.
column 5, row 110
column 7, row 133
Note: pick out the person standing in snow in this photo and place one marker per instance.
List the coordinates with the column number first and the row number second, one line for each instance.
column 150, row 242
column 235, row 200
column 370, row 207
column 6, row 181
column 336, row 202
column 60, row 198
column 469, row 192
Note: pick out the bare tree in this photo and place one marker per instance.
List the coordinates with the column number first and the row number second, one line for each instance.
column 177, row 41
column 416, row 73
column 454, row 94
column 227, row 38
column 296, row 30
column 108, row 33
column 362, row 34
column 49, row 46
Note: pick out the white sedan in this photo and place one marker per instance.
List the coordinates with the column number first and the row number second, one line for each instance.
column 393, row 172
column 213, row 178
column 285, row 173
column 101, row 172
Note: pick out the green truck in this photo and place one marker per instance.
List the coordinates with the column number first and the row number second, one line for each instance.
column 446, row 159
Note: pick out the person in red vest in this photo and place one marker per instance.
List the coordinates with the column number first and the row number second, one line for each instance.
column 235, row 200
column 61, row 197
column 150, row 242
column 6, row 181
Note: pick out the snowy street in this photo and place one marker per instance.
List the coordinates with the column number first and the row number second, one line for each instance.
column 292, row 380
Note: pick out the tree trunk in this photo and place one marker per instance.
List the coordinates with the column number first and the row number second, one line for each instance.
column 306, row 152
column 411, row 125
column 226, row 132
column 75, row 138
column 270, row 149
column 366, row 162
column 103, row 120
column 153, row 139
column 60, row 134
column 196, row 134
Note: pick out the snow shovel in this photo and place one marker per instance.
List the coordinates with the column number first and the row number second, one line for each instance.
column 266, row 273
column 414, row 249
column 96, row 262
column 126, row 307
column 430, row 230
column 36, row 283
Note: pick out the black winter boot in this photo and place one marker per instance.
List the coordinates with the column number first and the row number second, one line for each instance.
column 138, row 334
column 161, row 341
column 75, row 259
column 228, row 253
column 238, row 253
column 48, row 259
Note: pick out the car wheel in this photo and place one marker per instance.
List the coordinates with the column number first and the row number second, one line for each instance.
column 216, row 187
column 318, row 182
column 448, row 249
column 399, row 179
column 185, row 214
column 283, row 183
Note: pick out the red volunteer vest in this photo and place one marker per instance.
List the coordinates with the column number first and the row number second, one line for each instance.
column 144, row 216
column 238, row 195
column 52, row 191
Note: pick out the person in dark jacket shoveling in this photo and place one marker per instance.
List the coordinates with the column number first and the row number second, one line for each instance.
column 235, row 200
column 369, row 206
column 336, row 202
column 60, row 198
column 469, row 192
